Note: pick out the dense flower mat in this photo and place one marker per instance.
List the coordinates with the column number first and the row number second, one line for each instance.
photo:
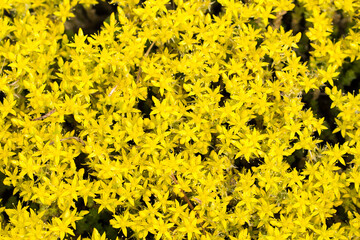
column 179, row 120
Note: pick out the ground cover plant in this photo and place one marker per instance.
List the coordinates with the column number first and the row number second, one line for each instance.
column 178, row 119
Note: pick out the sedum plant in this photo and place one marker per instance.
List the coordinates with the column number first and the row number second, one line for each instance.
column 177, row 122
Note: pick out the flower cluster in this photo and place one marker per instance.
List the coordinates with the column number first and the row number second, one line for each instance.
column 177, row 121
